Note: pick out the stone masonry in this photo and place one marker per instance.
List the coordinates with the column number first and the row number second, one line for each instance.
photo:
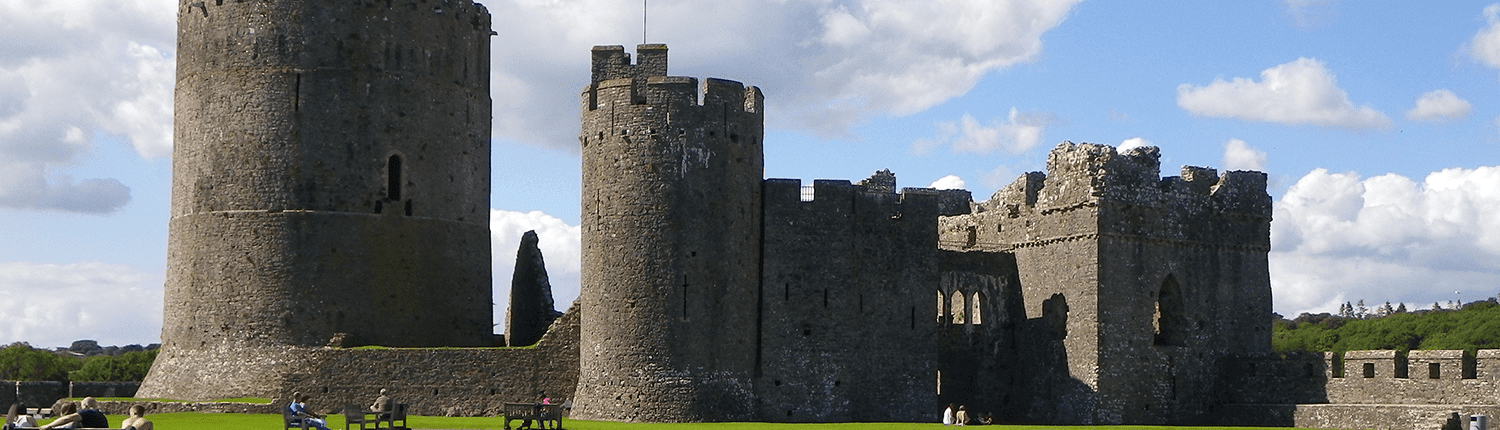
column 330, row 184
column 331, row 191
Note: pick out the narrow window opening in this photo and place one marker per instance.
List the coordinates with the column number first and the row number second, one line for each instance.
column 958, row 306
column 408, row 208
column 913, row 317
column 1170, row 321
column 297, row 94
column 1434, row 371
column 825, row 298
column 393, row 178
column 684, row 298
column 974, row 309
column 786, row 292
column 1369, row 369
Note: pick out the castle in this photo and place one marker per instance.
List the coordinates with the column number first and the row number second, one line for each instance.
column 330, row 190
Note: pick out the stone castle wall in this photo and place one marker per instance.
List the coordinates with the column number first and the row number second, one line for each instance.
column 671, row 243
column 842, row 336
column 330, row 184
column 1145, row 282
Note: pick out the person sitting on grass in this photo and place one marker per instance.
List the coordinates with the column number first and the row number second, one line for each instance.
column 137, row 419
column 298, row 408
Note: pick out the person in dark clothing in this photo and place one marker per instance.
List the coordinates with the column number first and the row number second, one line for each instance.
column 87, row 417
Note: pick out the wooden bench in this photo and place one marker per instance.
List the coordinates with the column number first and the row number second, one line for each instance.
column 528, row 412
column 286, row 420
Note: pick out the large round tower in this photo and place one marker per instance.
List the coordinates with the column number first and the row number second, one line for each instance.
column 671, row 243
column 330, row 185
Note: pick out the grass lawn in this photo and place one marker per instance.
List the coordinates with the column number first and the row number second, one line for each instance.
column 197, row 420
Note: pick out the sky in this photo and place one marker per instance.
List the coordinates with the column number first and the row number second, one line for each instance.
column 1373, row 122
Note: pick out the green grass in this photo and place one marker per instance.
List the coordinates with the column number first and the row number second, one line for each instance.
column 187, row 420
column 250, row 400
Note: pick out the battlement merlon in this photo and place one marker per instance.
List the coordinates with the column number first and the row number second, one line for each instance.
column 615, row 79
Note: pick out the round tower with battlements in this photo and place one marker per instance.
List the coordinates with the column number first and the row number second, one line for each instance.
column 671, row 243
column 330, row 187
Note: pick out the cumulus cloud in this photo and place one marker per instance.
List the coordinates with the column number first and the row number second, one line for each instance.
column 1438, row 106
column 950, row 182
column 1340, row 237
column 824, row 65
column 561, row 250
column 1132, row 143
column 1017, row 133
column 1485, row 45
column 1240, row 156
column 53, row 305
column 61, row 67
column 1300, row 92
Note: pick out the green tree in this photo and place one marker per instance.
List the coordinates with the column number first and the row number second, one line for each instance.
column 20, row 362
column 131, row 366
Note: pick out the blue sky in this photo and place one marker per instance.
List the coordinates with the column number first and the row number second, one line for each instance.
column 1374, row 123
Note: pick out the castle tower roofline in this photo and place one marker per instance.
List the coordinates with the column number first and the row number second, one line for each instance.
column 645, row 82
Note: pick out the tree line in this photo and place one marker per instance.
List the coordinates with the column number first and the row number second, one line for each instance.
column 20, row 362
column 1470, row 327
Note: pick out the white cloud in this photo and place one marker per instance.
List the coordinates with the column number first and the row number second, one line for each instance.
column 52, row 305
column 1339, row 237
column 61, row 67
column 824, row 65
column 1132, row 143
column 1485, row 45
column 1439, row 106
column 1300, row 92
column 1312, row 13
column 1017, row 133
column 28, row 186
column 1240, row 156
column 950, row 182
column 561, row 251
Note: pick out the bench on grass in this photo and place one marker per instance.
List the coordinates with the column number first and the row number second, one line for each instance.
column 354, row 415
column 528, row 412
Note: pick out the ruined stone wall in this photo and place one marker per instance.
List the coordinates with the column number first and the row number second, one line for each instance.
column 330, row 180
column 979, row 310
column 441, row 381
column 844, row 332
column 1145, row 281
column 671, row 242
